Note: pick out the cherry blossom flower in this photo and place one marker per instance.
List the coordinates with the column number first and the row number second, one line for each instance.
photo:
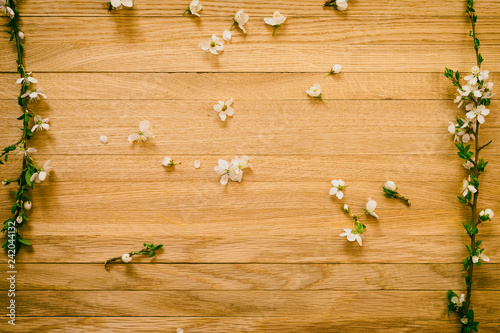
column 224, row 109
column 240, row 19
column 468, row 165
column 103, row 139
column 27, row 205
column 194, row 8
column 179, row 330
column 42, row 174
column 341, row 5
column 126, row 258
column 143, row 135
column 338, row 186
column 21, row 35
column 19, row 219
column 26, row 80
column 119, row 4
column 276, row 21
column 223, row 170
column 197, row 164
column 40, row 124
column 467, row 187
column 34, row 95
column 486, row 214
column 168, row 162
column 480, row 256
column 335, row 70
column 27, row 151
column 6, row 10
column 226, row 35
column 214, row 46
column 241, row 162
column 390, row 186
column 315, row 91
column 478, row 112
column 352, row 236
column 370, row 207
column 476, row 75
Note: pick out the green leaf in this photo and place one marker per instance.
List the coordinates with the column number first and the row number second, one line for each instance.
column 24, row 241
column 469, row 249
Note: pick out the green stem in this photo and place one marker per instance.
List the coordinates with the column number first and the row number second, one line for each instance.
column 275, row 28
column 234, row 23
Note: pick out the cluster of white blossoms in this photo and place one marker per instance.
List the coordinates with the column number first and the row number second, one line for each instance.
column 6, row 10
column 224, row 109
column 356, row 233
column 143, row 135
column 120, row 4
column 477, row 88
column 233, row 170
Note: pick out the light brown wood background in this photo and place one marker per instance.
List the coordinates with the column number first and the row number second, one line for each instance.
column 263, row 255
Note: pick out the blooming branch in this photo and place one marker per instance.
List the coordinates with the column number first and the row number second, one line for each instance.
column 149, row 250
column 391, row 191
column 476, row 95
column 31, row 172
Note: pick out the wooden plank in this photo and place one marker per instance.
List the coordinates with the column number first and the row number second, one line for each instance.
column 221, row 277
column 408, row 8
column 268, row 89
column 257, row 128
column 184, row 31
column 377, row 305
column 263, row 57
column 325, row 247
column 290, row 168
column 297, row 324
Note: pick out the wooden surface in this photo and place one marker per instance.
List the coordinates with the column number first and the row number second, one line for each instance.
column 263, row 255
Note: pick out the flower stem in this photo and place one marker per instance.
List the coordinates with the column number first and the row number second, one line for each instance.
column 234, row 23
column 399, row 196
column 275, row 28
column 327, row 75
column 323, row 99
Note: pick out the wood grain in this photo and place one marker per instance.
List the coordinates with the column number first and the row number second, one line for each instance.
column 263, row 255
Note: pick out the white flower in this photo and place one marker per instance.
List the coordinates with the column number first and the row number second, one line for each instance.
column 4, row 182
column 488, row 213
column 40, row 124
column 241, row 18
column 351, row 237
column 6, row 10
column 103, row 139
column 197, row 164
column 42, row 174
column 484, row 257
column 21, row 35
column 195, row 7
column 224, row 109
column 276, row 21
column 168, row 162
column 338, row 186
column 468, row 165
column 464, row 320
column 467, row 187
column 126, row 258
column 336, row 69
column 117, row 4
column 179, row 330
column 226, row 35
column 478, row 112
column 462, row 298
column 341, row 5
column 26, row 80
column 390, row 186
column 34, row 95
column 454, row 299
column 143, row 135
column 27, row 205
column 241, row 162
column 370, row 207
column 214, row 45
column 346, row 208
column 223, row 170
column 476, row 75
column 27, row 151
column 314, row 91
column 19, row 219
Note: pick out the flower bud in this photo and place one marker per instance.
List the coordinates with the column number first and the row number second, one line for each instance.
column 21, row 34
column 346, row 208
column 390, row 186
column 27, row 205
column 19, row 219
column 103, row 139
column 336, row 69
